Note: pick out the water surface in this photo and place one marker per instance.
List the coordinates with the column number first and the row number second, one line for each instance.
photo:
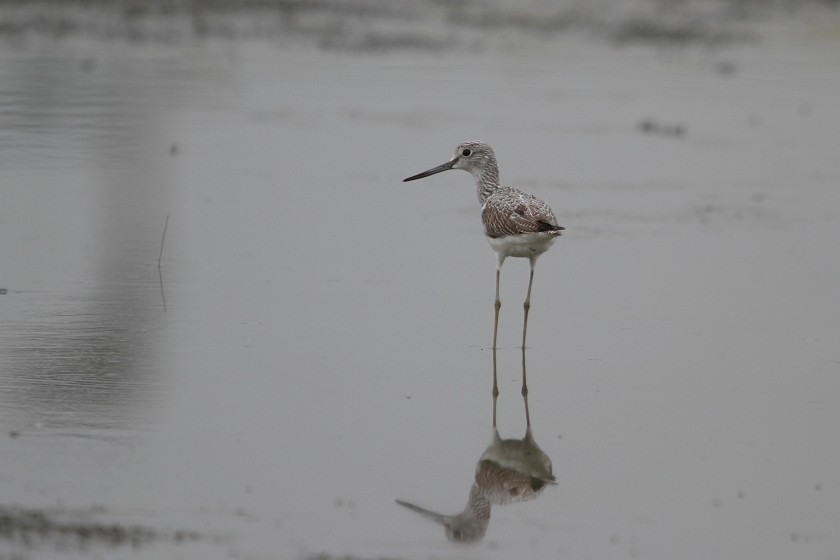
column 323, row 347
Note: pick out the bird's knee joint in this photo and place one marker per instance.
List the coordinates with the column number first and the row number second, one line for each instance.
column 498, row 305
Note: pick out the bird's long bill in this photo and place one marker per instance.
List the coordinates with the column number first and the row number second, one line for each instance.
column 436, row 517
column 439, row 169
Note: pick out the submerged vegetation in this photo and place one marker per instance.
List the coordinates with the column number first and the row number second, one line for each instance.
column 77, row 529
column 371, row 25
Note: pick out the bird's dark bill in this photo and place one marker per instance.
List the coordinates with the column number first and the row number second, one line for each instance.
column 440, row 168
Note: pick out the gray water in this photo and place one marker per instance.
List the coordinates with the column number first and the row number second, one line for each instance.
column 315, row 342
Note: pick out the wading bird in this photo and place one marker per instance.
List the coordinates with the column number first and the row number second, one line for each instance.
column 517, row 224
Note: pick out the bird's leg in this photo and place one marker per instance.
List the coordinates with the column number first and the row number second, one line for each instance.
column 498, row 305
column 495, row 388
column 525, row 390
column 495, row 334
column 527, row 304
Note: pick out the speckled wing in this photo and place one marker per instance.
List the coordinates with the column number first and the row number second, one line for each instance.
column 511, row 212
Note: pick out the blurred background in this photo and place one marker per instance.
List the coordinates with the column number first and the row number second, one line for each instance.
column 229, row 330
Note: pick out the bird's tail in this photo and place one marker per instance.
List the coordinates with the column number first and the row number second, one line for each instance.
column 545, row 226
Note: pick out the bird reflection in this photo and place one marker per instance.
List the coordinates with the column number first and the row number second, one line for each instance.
column 468, row 526
column 509, row 470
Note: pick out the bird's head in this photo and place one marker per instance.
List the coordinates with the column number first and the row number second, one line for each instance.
column 473, row 156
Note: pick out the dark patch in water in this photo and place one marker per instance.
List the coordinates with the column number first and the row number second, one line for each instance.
column 324, row 556
column 649, row 126
column 656, row 31
column 78, row 529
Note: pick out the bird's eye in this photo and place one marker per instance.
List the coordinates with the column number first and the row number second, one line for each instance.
column 467, row 152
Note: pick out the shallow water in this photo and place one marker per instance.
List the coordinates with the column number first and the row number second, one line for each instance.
column 322, row 348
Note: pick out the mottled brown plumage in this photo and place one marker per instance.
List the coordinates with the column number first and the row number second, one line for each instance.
column 509, row 211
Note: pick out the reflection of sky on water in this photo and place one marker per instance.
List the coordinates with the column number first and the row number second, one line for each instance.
column 83, row 314
column 84, row 363
column 83, row 108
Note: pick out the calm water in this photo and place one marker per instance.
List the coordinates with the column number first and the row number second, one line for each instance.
column 322, row 349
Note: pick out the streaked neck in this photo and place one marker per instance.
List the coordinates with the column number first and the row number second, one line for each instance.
column 487, row 182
